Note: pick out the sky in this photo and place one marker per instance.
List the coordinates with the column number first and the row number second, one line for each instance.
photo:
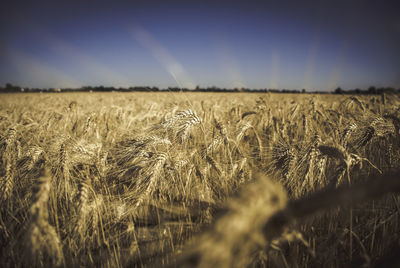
column 315, row 45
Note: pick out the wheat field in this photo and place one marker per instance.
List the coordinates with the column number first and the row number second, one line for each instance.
column 199, row 180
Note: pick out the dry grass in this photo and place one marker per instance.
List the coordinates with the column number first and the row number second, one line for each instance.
column 189, row 179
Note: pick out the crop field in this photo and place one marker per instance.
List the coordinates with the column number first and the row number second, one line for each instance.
column 199, row 180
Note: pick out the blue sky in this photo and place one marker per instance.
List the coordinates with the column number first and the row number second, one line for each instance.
column 317, row 45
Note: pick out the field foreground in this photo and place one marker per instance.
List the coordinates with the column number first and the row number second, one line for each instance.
column 199, row 179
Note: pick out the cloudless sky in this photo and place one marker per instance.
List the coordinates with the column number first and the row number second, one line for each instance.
column 317, row 45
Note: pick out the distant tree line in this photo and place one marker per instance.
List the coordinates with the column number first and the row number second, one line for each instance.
column 9, row 88
column 370, row 90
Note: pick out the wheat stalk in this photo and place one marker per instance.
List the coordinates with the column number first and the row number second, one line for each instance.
column 41, row 241
column 215, row 165
column 83, row 209
column 64, row 161
column 236, row 233
column 148, row 182
column 10, row 155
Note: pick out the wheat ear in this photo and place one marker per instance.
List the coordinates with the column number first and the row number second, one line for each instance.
column 42, row 244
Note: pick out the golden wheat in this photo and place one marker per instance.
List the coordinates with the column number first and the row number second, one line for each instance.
column 133, row 177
